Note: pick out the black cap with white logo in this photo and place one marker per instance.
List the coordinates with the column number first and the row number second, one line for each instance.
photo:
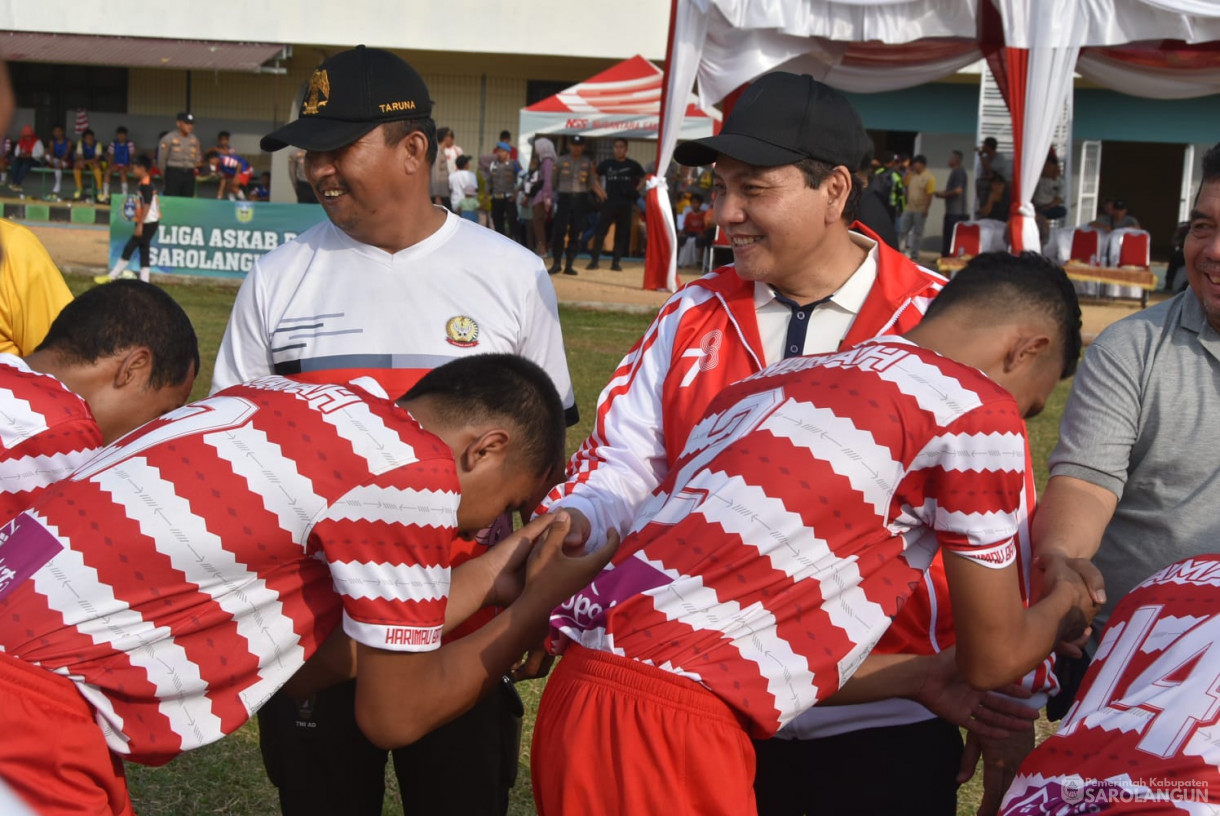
column 782, row 118
column 350, row 94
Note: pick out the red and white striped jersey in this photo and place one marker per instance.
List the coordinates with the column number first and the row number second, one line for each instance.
column 184, row 574
column 807, row 504
column 46, row 432
column 1143, row 735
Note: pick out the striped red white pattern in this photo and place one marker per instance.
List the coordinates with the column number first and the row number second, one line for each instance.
column 808, row 501
column 46, row 432
column 1144, row 733
column 207, row 555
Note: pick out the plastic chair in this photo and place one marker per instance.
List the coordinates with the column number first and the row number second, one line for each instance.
column 1086, row 247
column 967, row 240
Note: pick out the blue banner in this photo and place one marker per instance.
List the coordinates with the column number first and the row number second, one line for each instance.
column 211, row 237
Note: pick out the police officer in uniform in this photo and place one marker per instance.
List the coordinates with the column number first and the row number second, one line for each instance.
column 178, row 155
column 574, row 177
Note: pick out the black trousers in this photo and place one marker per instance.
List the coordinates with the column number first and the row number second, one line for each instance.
column 571, row 213
column 143, row 242
column 615, row 211
column 323, row 765
column 504, row 216
column 906, row 769
column 946, row 239
column 180, row 181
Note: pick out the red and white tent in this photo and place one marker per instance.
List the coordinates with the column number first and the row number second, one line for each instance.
column 1163, row 48
column 624, row 100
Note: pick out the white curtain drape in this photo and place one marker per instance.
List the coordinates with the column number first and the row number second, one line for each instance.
column 1113, row 22
column 1148, row 81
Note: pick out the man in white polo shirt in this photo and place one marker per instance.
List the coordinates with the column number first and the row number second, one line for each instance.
column 390, row 286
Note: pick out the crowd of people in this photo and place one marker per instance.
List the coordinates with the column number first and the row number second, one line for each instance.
column 177, row 161
column 799, row 552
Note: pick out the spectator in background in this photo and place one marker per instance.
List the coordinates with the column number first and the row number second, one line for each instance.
column 624, row 180
column 998, row 200
column 26, row 153
column 58, row 158
column 502, row 175
column 439, row 184
column 262, row 190
column 464, row 190
column 90, row 155
column 575, row 178
column 233, row 173
column 992, row 163
column 146, row 219
column 1048, row 196
column 886, row 185
column 697, row 224
column 121, row 151
column 450, row 149
column 871, row 212
column 179, row 156
column 223, row 142
column 300, row 181
column 507, row 138
column 1115, row 216
column 539, row 187
column 920, row 187
column 956, row 205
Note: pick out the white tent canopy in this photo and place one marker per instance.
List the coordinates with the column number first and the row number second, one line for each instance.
column 879, row 45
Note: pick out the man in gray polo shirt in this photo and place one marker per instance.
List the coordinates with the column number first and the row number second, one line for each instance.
column 1135, row 480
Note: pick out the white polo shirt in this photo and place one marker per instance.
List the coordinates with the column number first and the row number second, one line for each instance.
column 829, row 322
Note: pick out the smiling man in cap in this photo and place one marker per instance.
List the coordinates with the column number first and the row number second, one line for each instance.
column 806, row 279
column 388, row 287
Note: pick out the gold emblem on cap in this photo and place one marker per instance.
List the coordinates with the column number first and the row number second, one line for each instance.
column 319, row 85
column 462, row 331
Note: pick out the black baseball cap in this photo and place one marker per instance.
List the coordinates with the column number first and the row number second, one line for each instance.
column 782, row 118
column 350, row 94
column 576, row 139
column 189, row 118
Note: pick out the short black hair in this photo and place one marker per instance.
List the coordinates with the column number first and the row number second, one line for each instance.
column 120, row 129
column 125, row 314
column 442, row 132
column 1211, row 167
column 144, row 160
column 624, row 141
column 505, row 135
column 224, row 134
column 394, row 132
column 88, row 132
column 818, row 171
column 1004, row 282
column 920, row 159
column 462, row 162
column 483, row 387
column 957, row 153
column 990, row 142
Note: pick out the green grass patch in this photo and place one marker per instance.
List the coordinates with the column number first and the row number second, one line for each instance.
column 227, row 778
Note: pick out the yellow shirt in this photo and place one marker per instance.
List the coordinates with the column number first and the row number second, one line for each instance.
column 32, row 291
column 920, row 187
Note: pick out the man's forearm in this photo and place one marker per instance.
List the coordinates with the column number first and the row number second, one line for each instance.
column 1071, row 517
column 882, row 676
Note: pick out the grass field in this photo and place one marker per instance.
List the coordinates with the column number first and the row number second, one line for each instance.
column 226, row 778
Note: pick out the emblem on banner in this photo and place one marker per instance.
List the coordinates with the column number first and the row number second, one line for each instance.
column 462, row 331
column 129, row 208
column 245, row 212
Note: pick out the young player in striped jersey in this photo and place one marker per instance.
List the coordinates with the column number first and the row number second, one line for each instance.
column 160, row 595
column 112, row 360
column 1141, row 736
column 808, row 502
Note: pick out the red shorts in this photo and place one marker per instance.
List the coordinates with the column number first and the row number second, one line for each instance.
column 53, row 754
column 617, row 736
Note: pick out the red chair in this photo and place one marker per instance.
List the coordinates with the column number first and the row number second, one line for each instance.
column 1085, row 246
column 719, row 253
column 967, row 240
column 1134, row 250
